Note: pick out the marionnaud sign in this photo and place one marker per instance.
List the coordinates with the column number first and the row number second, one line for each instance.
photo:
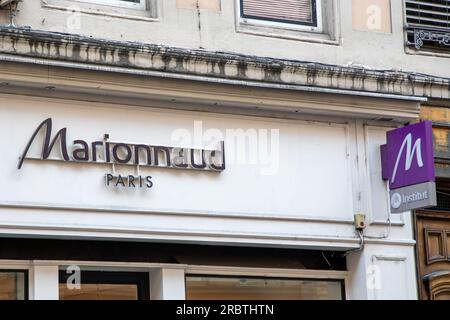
column 122, row 153
column 408, row 163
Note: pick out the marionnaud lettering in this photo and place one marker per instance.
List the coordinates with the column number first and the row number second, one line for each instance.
column 106, row 151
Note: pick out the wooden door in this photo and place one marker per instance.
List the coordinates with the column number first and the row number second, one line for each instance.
column 433, row 254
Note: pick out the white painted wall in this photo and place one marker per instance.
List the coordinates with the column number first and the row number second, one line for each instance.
column 313, row 194
column 382, row 273
column 312, row 182
column 167, row 284
column 44, row 283
column 301, row 149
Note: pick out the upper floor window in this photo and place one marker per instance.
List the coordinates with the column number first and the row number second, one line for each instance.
column 428, row 24
column 133, row 4
column 142, row 10
column 300, row 14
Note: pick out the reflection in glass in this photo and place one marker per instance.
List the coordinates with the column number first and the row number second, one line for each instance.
column 99, row 292
column 103, row 285
column 12, row 285
column 239, row 288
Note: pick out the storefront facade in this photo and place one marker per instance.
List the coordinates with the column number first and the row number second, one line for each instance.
column 199, row 150
column 284, row 185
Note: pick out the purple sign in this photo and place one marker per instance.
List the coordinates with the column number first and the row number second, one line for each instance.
column 408, row 156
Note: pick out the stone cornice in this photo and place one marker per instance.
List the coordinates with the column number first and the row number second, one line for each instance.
column 53, row 46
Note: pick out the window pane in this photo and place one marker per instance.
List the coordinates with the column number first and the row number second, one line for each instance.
column 290, row 11
column 99, row 292
column 12, row 285
column 103, row 285
column 234, row 288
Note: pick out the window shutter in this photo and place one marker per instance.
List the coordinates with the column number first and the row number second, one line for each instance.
column 428, row 23
column 289, row 11
column 429, row 13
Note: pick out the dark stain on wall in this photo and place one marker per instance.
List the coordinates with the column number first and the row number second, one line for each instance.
column 272, row 73
column 76, row 52
column 124, row 57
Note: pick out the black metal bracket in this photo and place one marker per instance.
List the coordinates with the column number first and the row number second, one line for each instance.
column 430, row 35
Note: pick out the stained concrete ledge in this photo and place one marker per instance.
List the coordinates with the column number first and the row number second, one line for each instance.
column 53, row 46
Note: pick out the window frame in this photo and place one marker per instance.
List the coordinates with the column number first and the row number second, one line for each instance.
column 316, row 26
column 423, row 50
column 26, row 280
column 139, row 278
column 142, row 5
column 341, row 281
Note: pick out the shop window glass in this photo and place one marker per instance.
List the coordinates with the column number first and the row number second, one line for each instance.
column 249, row 288
column 13, row 285
column 99, row 285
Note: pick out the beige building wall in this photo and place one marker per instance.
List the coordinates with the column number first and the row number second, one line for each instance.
column 354, row 32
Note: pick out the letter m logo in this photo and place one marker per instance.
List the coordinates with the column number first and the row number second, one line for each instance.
column 48, row 142
column 410, row 150
column 408, row 156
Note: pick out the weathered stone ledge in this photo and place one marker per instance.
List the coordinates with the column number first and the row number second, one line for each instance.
column 54, row 46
